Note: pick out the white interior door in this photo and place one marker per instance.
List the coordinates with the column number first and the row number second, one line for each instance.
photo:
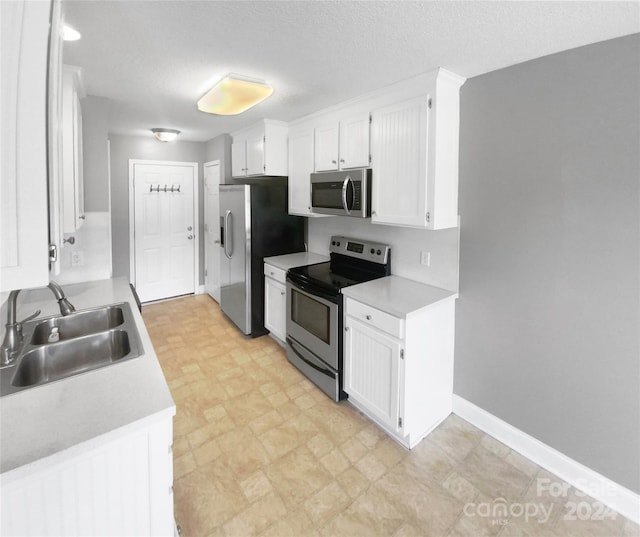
column 164, row 236
column 212, row 229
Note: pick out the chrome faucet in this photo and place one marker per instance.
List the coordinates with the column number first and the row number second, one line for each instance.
column 13, row 335
column 65, row 306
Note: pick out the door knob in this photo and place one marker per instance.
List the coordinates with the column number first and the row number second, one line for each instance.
column 189, row 237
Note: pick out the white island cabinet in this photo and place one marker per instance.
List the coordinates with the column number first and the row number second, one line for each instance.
column 398, row 355
column 89, row 454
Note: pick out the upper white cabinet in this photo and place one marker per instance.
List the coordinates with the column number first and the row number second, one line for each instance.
column 300, row 168
column 260, row 150
column 72, row 174
column 23, row 144
column 414, row 148
column 342, row 144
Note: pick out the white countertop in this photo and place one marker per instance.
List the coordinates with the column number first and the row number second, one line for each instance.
column 66, row 416
column 397, row 296
column 287, row 261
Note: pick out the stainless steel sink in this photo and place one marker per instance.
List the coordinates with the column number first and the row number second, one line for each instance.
column 60, row 360
column 79, row 324
column 88, row 340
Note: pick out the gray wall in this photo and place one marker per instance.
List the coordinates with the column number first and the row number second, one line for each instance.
column 95, row 127
column 219, row 148
column 547, row 333
column 124, row 148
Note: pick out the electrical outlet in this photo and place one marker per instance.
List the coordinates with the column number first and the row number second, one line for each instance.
column 425, row 258
column 77, row 258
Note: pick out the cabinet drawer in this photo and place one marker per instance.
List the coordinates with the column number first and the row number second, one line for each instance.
column 273, row 272
column 375, row 318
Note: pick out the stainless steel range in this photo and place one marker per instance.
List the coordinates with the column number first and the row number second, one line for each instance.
column 314, row 308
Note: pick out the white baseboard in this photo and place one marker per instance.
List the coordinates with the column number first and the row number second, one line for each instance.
column 610, row 493
column 200, row 290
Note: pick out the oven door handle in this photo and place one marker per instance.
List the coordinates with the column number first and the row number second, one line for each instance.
column 322, row 370
column 313, row 291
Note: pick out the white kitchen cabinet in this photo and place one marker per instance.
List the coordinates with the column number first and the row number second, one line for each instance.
column 23, row 152
column 72, row 173
column 260, row 150
column 122, row 485
column 342, row 144
column 301, row 154
column 398, row 361
column 414, row 151
column 275, row 310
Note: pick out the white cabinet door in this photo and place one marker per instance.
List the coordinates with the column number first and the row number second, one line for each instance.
column 372, row 371
column 354, row 142
column 24, row 33
column 238, row 158
column 275, row 308
column 300, row 170
column 255, row 148
column 399, row 162
column 72, row 173
column 326, row 147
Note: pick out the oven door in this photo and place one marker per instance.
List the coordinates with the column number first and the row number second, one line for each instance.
column 312, row 321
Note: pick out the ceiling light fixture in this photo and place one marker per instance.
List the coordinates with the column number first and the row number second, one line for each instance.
column 70, row 34
column 165, row 135
column 233, row 95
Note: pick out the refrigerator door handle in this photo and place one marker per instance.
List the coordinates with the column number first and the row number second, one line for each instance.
column 228, row 246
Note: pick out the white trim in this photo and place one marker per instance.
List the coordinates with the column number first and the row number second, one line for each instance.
column 196, row 216
column 610, row 493
column 200, row 290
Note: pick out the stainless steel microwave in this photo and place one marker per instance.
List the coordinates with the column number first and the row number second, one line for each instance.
column 344, row 193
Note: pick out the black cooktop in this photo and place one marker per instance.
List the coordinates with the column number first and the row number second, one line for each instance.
column 351, row 263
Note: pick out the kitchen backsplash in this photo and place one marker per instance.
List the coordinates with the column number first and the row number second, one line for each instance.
column 407, row 246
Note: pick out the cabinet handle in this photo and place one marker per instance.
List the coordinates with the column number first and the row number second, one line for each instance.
column 342, row 160
column 82, row 217
column 346, row 328
column 271, row 273
column 281, row 293
column 333, row 162
column 368, row 317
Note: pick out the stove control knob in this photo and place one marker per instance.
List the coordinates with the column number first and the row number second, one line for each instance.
column 338, row 243
column 379, row 252
column 372, row 251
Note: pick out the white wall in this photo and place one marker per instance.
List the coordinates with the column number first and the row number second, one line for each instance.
column 406, row 246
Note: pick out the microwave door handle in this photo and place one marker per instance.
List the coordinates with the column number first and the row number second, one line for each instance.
column 345, row 185
column 228, row 249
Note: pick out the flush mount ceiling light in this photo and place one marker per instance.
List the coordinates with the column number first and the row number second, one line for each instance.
column 233, row 95
column 165, row 135
column 70, row 34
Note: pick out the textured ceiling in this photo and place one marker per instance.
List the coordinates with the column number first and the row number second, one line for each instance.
column 155, row 59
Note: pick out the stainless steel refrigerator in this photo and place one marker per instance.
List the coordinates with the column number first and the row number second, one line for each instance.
column 254, row 224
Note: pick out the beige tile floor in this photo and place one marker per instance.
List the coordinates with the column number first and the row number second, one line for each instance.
column 259, row 450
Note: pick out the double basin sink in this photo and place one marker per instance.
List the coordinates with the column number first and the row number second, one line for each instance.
column 58, row 347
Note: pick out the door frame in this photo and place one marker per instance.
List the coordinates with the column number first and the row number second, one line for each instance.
column 196, row 217
column 205, row 217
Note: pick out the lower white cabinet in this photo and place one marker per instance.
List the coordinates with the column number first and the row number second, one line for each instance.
column 275, row 310
column 398, row 368
column 123, row 486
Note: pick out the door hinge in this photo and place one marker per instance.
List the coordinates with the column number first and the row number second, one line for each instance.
column 369, row 159
column 53, row 253
column 402, row 353
column 400, row 423
column 428, row 217
column 205, row 273
column 370, row 119
column 430, row 102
